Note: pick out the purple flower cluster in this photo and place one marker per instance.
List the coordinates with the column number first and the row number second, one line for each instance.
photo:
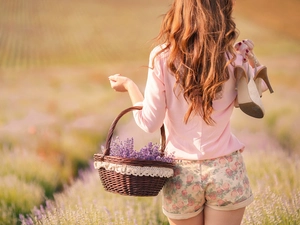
column 37, row 214
column 125, row 149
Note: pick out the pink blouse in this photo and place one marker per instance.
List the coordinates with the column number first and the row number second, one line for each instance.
column 195, row 140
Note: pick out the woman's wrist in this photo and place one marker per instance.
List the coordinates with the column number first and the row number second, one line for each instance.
column 253, row 60
column 129, row 84
column 133, row 91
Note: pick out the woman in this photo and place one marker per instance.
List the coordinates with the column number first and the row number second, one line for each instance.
column 191, row 89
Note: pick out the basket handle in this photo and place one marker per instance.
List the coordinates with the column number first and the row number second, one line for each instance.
column 114, row 124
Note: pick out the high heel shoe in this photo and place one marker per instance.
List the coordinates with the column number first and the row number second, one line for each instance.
column 248, row 96
column 261, row 74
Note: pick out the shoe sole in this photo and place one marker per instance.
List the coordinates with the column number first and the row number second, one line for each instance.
column 252, row 109
column 249, row 98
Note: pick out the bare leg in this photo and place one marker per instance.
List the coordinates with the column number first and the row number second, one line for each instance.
column 197, row 220
column 219, row 217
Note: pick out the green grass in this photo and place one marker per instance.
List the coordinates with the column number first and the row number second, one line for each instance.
column 40, row 171
column 7, row 213
column 20, row 195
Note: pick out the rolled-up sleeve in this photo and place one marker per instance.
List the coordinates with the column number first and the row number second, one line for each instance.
column 151, row 117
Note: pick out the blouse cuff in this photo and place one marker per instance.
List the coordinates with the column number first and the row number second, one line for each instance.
column 138, row 104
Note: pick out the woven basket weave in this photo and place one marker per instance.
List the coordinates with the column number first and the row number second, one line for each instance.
column 131, row 185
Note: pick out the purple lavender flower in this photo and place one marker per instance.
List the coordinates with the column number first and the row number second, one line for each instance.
column 37, row 213
column 125, row 149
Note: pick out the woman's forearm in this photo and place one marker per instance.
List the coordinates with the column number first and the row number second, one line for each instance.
column 134, row 93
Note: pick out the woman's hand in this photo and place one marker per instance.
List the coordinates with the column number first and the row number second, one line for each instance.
column 124, row 84
column 245, row 47
column 119, row 83
column 249, row 44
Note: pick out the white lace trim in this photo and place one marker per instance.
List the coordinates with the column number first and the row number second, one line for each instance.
column 136, row 170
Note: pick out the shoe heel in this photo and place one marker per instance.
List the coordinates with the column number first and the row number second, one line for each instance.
column 262, row 74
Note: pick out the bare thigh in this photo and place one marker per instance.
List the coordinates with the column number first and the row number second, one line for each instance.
column 197, row 220
column 211, row 216
column 219, row 217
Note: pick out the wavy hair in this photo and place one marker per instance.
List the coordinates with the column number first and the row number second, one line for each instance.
column 198, row 34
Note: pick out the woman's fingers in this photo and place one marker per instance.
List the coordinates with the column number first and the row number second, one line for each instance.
column 243, row 45
column 249, row 43
column 113, row 77
column 245, row 48
column 118, row 82
column 237, row 46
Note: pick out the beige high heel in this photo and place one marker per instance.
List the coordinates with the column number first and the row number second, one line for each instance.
column 247, row 94
column 261, row 74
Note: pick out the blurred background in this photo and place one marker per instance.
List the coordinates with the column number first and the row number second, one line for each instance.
column 56, row 104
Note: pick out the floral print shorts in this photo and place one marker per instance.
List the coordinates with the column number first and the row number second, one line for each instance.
column 220, row 183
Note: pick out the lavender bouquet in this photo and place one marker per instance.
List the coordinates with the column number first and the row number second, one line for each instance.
column 125, row 149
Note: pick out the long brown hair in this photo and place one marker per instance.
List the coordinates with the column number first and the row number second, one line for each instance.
column 198, row 34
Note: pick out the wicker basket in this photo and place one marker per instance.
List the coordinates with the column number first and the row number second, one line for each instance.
column 131, row 184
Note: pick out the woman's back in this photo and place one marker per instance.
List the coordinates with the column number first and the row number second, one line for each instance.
column 194, row 140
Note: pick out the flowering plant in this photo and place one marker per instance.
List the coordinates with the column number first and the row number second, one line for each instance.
column 125, row 149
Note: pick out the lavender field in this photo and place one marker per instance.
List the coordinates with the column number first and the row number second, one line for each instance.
column 56, row 107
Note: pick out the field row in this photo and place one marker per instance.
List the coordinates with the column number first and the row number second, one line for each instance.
column 51, row 33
